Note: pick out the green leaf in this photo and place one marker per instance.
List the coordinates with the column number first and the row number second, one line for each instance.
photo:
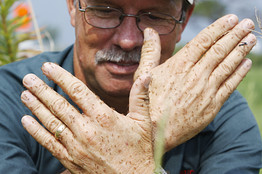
column 18, row 23
column 24, row 37
column 9, row 3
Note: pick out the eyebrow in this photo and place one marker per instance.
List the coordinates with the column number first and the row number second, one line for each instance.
column 99, row 1
column 108, row 2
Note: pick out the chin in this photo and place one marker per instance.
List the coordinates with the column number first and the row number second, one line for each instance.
column 118, row 89
column 119, row 93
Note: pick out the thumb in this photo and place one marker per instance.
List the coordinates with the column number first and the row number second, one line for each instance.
column 138, row 100
column 150, row 54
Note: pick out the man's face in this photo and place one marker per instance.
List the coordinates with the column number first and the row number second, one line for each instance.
column 108, row 58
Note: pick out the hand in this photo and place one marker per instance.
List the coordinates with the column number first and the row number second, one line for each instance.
column 190, row 88
column 99, row 140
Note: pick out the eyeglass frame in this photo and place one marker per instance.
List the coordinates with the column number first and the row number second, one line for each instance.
column 123, row 15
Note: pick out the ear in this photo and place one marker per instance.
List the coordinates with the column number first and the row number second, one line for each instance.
column 72, row 11
column 183, row 26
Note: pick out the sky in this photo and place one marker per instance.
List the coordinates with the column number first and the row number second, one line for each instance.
column 53, row 15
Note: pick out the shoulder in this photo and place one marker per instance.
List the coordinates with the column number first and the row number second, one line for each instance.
column 20, row 147
column 234, row 122
column 233, row 138
column 11, row 75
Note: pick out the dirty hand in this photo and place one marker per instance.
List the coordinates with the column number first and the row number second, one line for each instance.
column 189, row 89
column 99, row 140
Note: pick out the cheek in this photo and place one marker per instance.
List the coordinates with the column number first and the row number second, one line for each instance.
column 93, row 37
column 167, row 48
column 168, row 44
column 90, row 37
column 89, row 40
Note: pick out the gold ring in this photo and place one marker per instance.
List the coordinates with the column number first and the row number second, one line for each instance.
column 58, row 132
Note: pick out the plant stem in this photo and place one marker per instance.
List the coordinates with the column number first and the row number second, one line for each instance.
column 37, row 30
column 7, row 37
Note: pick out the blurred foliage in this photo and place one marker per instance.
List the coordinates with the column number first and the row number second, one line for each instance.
column 9, row 37
column 210, row 8
column 256, row 59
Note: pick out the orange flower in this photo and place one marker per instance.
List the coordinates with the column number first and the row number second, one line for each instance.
column 23, row 10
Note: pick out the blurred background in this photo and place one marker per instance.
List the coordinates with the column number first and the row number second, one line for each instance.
column 54, row 16
column 57, row 33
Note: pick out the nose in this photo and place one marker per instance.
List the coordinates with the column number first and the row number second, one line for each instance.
column 127, row 36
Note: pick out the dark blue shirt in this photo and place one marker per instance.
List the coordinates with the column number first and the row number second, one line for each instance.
column 231, row 144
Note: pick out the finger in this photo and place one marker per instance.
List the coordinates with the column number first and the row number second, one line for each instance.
column 150, row 55
column 229, row 65
column 45, row 116
column 138, row 100
column 57, row 104
column 194, row 50
column 85, row 99
column 219, row 51
column 42, row 136
column 233, row 81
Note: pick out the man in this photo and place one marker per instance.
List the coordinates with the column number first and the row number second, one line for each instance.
column 196, row 89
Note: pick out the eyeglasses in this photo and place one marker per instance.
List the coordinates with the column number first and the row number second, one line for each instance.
column 107, row 18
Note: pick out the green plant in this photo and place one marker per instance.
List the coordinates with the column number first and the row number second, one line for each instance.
column 9, row 37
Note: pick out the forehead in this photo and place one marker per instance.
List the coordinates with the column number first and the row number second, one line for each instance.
column 165, row 5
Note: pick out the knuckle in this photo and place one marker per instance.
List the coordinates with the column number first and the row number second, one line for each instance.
column 150, row 47
column 36, row 108
column 227, row 68
column 219, row 50
column 238, row 33
column 89, row 136
column 204, row 40
column 148, row 50
column 50, row 144
column 36, row 133
column 229, row 86
column 105, row 120
column 52, row 124
column 58, row 154
column 78, row 90
column 239, row 75
column 41, row 88
column 58, row 75
column 59, row 106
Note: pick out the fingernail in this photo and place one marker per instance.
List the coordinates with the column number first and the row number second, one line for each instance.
column 26, row 121
column 48, row 67
column 250, row 39
column 247, row 24
column 29, row 80
column 27, row 97
column 233, row 20
column 147, row 82
column 247, row 64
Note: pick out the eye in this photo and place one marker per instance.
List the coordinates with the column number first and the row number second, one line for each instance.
column 156, row 17
column 104, row 12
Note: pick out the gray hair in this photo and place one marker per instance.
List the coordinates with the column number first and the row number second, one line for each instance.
column 186, row 5
column 191, row 2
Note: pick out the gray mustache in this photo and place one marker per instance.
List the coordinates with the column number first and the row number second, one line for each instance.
column 118, row 55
